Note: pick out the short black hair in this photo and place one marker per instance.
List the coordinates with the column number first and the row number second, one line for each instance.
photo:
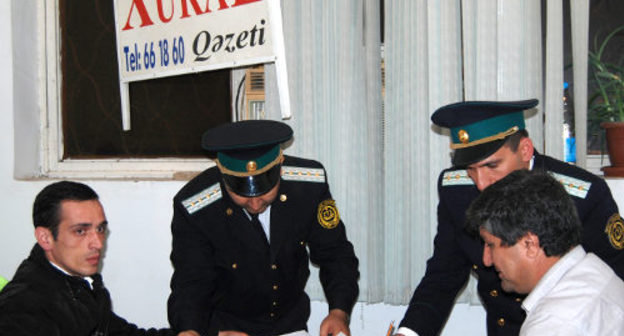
column 47, row 205
column 513, row 141
column 527, row 201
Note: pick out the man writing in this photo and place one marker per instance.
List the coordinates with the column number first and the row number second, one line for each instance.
column 241, row 234
column 57, row 290
column 532, row 238
column 490, row 141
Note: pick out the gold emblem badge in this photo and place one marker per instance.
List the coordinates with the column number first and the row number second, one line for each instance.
column 615, row 231
column 463, row 136
column 328, row 215
column 252, row 166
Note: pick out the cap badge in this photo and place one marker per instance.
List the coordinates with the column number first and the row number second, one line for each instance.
column 463, row 136
column 328, row 215
column 615, row 230
column 252, row 166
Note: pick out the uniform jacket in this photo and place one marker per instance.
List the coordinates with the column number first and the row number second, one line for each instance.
column 456, row 253
column 40, row 300
column 228, row 277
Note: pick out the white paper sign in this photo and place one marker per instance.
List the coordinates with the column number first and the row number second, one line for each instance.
column 160, row 38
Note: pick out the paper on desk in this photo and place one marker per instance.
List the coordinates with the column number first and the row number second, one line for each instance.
column 305, row 333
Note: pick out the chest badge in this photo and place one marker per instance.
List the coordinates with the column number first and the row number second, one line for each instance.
column 615, row 231
column 328, row 215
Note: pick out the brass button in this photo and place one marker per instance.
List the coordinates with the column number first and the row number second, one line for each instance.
column 518, row 299
column 273, row 267
column 234, row 266
column 283, row 197
column 501, row 322
column 229, row 211
column 493, row 293
column 272, row 315
column 274, row 303
column 474, row 267
column 274, row 287
column 302, row 243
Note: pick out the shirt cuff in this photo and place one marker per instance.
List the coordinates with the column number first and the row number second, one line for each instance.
column 406, row 331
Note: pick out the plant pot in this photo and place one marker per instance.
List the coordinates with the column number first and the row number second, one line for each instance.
column 615, row 147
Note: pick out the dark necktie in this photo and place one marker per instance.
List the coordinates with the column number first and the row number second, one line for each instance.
column 255, row 222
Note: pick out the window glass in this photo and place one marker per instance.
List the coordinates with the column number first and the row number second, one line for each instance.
column 168, row 115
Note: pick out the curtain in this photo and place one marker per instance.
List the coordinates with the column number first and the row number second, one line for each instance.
column 333, row 52
column 439, row 52
column 383, row 160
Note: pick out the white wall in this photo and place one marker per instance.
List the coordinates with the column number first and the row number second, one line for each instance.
column 136, row 268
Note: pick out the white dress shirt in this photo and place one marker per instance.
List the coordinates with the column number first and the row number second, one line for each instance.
column 579, row 295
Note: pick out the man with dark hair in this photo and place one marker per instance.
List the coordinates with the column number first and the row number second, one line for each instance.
column 532, row 237
column 490, row 141
column 241, row 234
column 57, row 290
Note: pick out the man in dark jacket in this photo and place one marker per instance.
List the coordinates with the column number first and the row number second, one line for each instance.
column 241, row 234
column 490, row 141
column 57, row 291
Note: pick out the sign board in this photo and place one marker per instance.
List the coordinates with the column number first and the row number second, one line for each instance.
column 160, row 38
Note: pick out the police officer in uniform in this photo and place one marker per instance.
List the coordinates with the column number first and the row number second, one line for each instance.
column 490, row 141
column 241, row 235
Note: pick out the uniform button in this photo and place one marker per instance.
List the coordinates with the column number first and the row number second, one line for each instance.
column 283, row 197
column 493, row 293
column 518, row 299
column 234, row 266
column 274, row 304
column 274, row 287
column 229, row 211
column 273, row 267
column 501, row 322
column 474, row 267
column 302, row 243
column 272, row 315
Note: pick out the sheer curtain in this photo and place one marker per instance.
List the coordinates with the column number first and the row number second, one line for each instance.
column 333, row 52
column 383, row 160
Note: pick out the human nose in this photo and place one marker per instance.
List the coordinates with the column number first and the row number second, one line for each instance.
column 481, row 179
column 96, row 240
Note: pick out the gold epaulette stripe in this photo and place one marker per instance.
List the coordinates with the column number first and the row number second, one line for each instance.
column 573, row 186
column 202, row 199
column 456, row 177
column 290, row 173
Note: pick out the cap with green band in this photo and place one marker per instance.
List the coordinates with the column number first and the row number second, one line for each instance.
column 248, row 154
column 479, row 128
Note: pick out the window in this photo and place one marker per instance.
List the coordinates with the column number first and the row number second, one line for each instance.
column 84, row 137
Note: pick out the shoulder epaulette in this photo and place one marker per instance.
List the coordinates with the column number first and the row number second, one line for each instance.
column 302, row 174
column 202, row 199
column 456, row 177
column 573, row 186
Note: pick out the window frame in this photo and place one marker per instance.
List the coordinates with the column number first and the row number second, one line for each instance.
column 52, row 163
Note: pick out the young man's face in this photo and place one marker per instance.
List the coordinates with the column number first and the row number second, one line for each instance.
column 77, row 248
column 504, row 161
column 255, row 205
column 509, row 261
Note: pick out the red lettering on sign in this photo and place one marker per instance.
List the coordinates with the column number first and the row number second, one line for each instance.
column 198, row 11
column 243, row 2
column 145, row 19
column 161, row 15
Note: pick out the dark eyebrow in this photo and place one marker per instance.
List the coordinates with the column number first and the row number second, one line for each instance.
column 488, row 163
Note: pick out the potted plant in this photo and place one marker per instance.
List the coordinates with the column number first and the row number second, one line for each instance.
column 606, row 103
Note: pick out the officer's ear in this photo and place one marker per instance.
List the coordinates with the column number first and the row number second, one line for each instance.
column 525, row 148
column 44, row 237
column 531, row 245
